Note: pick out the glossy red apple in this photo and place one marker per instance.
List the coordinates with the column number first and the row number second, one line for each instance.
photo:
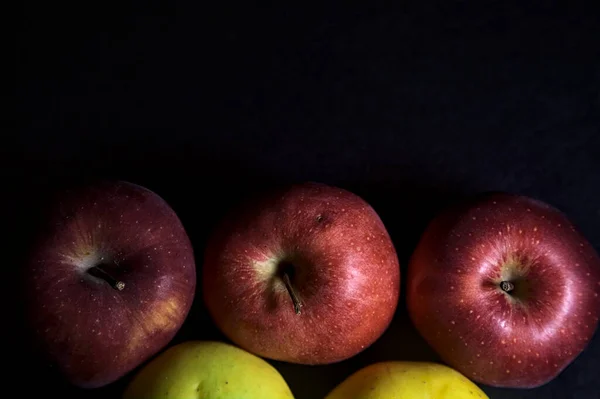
column 505, row 289
column 306, row 275
column 109, row 282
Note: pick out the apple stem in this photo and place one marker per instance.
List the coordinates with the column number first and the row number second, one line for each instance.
column 97, row 271
column 292, row 292
column 507, row 286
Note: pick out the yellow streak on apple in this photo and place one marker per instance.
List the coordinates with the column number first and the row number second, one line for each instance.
column 267, row 273
column 266, row 269
column 161, row 317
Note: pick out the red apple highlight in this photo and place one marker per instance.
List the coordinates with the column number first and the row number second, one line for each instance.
column 110, row 281
column 505, row 289
column 306, row 275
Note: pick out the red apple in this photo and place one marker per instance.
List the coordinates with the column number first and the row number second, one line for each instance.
column 505, row 289
column 306, row 275
column 109, row 282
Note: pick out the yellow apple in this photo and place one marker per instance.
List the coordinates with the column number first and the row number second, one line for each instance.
column 407, row 380
column 207, row 370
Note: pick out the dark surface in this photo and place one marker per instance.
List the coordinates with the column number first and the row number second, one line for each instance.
column 411, row 108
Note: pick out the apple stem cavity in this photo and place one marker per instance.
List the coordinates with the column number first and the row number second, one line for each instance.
column 292, row 292
column 99, row 272
column 507, row 286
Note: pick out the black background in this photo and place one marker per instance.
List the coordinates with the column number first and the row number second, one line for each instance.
column 411, row 107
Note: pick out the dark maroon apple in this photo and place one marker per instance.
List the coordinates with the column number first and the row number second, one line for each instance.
column 505, row 289
column 306, row 275
column 110, row 281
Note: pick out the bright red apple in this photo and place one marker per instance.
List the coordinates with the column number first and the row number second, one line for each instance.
column 109, row 282
column 505, row 289
column 306, row 275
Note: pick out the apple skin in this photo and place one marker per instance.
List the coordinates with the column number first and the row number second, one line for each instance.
column 407, row 380
column 521, row 338
column 342, row 266
column 207, row 369
column 91, row 331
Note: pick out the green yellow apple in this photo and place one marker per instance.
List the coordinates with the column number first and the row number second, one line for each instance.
column 207, row 370
column 407, row 380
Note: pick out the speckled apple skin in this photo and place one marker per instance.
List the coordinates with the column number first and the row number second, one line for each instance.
column 346, row 275
column 520, row 340
column 93, row 332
